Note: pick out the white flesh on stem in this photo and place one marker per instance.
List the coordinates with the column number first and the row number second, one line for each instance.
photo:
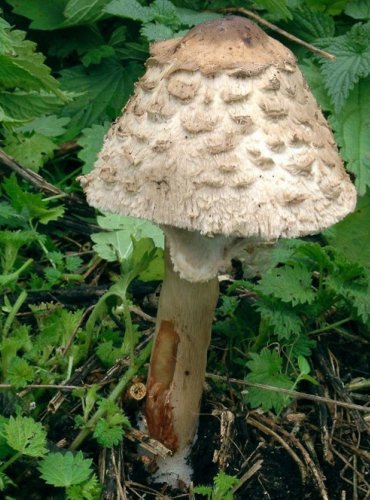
column 179, row 357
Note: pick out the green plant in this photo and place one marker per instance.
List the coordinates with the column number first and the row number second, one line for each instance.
column 222, row 489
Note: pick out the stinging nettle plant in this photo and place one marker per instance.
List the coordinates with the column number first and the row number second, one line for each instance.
column 223, row 146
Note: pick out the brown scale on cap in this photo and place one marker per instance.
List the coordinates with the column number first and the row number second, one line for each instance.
column 224, row 90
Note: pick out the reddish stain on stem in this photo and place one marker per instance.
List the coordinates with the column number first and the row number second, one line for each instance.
column 158, row 408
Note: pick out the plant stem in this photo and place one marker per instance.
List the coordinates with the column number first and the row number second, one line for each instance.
column 127, row 376
column 9, row 462
column 9, row 320
column 330, row 327
column 261, row 337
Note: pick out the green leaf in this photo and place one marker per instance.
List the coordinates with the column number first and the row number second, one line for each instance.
column 117, row 244
column 312, row 74
column 289, row 283
column 188, row 17
column 266, row 368
column 29, row 204
column 42, row 18
column 276, row 7
column 91, row 142
column 9, row 217
column 10, row 244
column 97, row 54
column 89, row 490
column 20, row 372
column 73, row 263
column 30, row 151
column 130, row 9
column 351, row 282
column 303, row 365
column 156, row 31
column 352, row 131
column 206, row 491
column 310, row 24
column 331, row 7
column 358, row 9
column 5, row 450
column 23, row 105
column 302, row 346
column 24, row 68
column 223, row 485
column 65, row 469
column 352, row 52
column 106, row 435
column 47, row 126
column 25, row 435
column 284, row 321
column 83, row 11
column 164, row 12
column 107, row 353
column 347, row 234
column 104, row 89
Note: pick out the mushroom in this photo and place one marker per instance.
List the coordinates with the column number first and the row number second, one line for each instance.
column 224, row 146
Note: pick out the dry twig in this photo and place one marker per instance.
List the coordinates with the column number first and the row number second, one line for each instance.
column 295, row 394
column 282, row 442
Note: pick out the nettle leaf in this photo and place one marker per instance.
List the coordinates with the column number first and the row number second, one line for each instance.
column 30, row 205
column 89, row 490
column 188, row 17
column 302, row 346
column 25, row 435
column 104, row 89
column 65, row 469
column 266, row 368
column 289, row 284
column 312, row 74
column 24, row 68
column 31, row 151
column 354, row 228
column 352, row 130
column 48, row 126
column 42, row 18
column 9, row 217
column 83, row 11
column 97, row 54
column 284, row 321
column 156, row 31
column 223, row 485
column 20, row 372
column 107, row 435
column 352, row 52
column 165, row 12
column 23, row 105
column 311, row 24
column 351, row 282
column 130, row 9
column 358, row 9
column 331, row 7
column 277, row 7
column 91, row 142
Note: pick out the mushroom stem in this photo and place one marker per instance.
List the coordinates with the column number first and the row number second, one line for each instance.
column 179, row 357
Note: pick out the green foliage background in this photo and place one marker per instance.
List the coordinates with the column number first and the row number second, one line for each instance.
column 66, row 71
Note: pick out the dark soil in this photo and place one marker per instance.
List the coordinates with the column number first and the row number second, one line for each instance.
column 332, row 443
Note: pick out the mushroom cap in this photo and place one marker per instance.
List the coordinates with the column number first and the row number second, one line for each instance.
column 223, row 136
